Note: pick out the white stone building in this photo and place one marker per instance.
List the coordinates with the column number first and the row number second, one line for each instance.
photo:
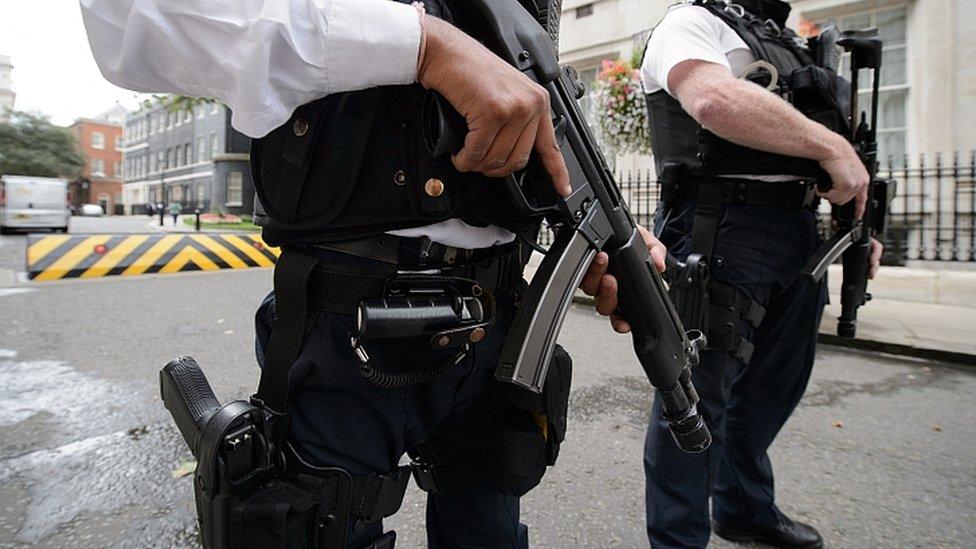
column 928, row 100
column 7, row 95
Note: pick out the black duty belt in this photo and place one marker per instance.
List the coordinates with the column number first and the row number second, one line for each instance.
column 780, row 194
column 406, row 252
column 338, row 287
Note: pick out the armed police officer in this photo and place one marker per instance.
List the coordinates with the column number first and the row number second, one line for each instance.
column 744, row 124
column 333, row 92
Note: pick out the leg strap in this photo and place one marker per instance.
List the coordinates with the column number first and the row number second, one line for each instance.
column 291, row 275
column 727, row 306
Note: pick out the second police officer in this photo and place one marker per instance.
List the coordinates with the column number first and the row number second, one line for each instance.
column 738, row 162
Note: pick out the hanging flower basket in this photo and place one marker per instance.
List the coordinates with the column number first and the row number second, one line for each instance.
column 621, row 114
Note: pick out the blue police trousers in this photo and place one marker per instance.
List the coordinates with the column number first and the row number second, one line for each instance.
column 339, row 419
column 760, row 251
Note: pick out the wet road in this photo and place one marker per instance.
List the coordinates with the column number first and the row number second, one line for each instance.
column 87, row 450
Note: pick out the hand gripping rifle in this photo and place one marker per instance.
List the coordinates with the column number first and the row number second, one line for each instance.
column 593, row 218
column 852, row 237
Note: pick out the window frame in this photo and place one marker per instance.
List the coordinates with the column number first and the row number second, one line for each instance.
column 239, row 191
column 99, row 143
column 864, row 84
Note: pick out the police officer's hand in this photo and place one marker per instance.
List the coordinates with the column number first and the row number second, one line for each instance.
column 849, row 178
column 874, row 262
column 603, row 286
column 508, row 115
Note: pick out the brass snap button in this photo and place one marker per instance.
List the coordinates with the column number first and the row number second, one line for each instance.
column 434, row 187
column 300, row 127
column 477, row 335
column 400, row 178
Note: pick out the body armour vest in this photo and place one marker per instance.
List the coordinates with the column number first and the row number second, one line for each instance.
column 785, row 65
column 355, row 164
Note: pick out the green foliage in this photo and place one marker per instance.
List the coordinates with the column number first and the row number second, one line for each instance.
column 31, row 145
column 175, row 102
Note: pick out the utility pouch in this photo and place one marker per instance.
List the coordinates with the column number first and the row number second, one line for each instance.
column 288, row 513
column 551, row 407
column 305, row 171
column 821, row 96
column 512, row 437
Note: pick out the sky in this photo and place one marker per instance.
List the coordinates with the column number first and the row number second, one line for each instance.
column 54, row 71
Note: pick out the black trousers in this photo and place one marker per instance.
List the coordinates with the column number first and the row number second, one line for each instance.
column 339, row 419
column 760, row 251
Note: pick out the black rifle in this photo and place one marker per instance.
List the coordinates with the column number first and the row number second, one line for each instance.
column 593, row 218
column 852, row 237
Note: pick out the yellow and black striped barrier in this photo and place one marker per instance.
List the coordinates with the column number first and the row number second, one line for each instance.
column 95, row 255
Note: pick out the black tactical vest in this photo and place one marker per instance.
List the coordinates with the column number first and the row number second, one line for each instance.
column 816, row 92
column 355, row 164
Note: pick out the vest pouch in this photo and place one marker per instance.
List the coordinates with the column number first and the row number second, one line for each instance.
column 551, row 408
column 821, row 96
column 305, row 170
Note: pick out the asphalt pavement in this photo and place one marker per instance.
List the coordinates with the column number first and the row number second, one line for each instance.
column 880, row 453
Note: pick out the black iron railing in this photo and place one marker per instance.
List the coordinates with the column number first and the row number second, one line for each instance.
column 933, row 216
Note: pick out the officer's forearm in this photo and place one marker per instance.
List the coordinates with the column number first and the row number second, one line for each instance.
column 748, row 115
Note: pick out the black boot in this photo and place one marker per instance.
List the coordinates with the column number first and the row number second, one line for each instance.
column 787, row 533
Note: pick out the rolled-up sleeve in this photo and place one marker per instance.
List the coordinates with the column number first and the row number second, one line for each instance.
column 262, row 58
column 686, row 33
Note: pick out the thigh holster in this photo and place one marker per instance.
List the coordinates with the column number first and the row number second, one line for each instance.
column 720, row 310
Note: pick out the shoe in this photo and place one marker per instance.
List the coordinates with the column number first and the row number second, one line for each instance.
column 790, row 534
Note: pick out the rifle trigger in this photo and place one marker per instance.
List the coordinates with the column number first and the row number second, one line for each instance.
column 560, row 124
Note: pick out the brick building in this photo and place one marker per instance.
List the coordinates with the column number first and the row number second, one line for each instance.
column 100, row 141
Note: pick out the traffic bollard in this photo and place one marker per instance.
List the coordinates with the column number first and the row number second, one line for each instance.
column 196, row 212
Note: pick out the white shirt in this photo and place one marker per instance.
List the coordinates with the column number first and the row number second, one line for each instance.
column 688, row 33
column 263, row 59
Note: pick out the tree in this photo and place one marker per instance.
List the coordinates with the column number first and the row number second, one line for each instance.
column 31, row 145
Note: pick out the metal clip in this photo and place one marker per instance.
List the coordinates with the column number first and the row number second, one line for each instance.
column 359, row 350
column 735, row 9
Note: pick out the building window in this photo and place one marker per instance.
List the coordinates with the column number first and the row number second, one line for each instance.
column 202, row 149
column 235, row 189
column 97, row 140
column 201, row 194
column 188, row 115
column 178, row 116
column 188, row 151
column 97, row 167
column 152, row 125
column 214, row 107
column 201, row 111
column 118, row 142
column 180, row 157
column 894, row 90
column 117, row 169
column 214, row 151
column 584, row 11
column 170, row 158
column 170, row 120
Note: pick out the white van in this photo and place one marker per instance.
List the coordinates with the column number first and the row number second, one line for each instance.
column 28, row 202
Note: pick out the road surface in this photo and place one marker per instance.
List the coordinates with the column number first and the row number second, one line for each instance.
column 87, row 450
